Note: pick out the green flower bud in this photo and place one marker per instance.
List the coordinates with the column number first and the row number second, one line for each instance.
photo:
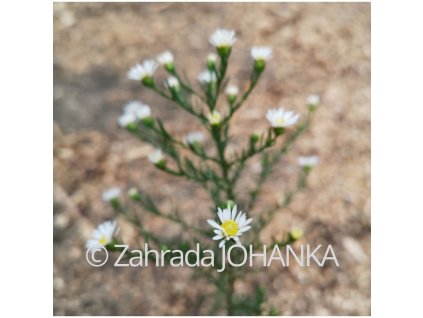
column 214, row 118
column 211, row 61
column 148, row 81
column 115, row 203
column 148, row 121
column 231, row 99
column 255, row 137
column 164, row 247
column 157, row 158
column 295, row 234
column 224, row 51
column 313, row 102
column 230, row 203
column 166, row 58
column 259, row 66
column 161, row 164
column 170, row 67
column 132, row 127
column 307, row 169
column 133, row 194
column 184, row 246
column 279, row 130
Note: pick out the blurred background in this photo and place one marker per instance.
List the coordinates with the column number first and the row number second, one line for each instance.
column 317, row 48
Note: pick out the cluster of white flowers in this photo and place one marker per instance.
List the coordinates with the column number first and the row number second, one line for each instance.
column 195, row 137
column 206, row 77
column 223, row 38
column 282, row 118
column 232, row 225
column 308, row 161
column 261, row 53
column 141, row 71
column 147, row 68
column 132, row 112
column 102, row 235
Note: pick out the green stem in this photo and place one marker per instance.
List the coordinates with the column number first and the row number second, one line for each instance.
column 269, row 161
column 221, row 143
column 253, row 82
column 289, row 196
column 135, row 220
column 230, row 292
column 164, row 133
column 187, row 87
column 221, row 74
column 181, row 102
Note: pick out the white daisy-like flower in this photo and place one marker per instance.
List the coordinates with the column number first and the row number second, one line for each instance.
column 102, row 235
column 195, row 137
column 138, row 109
column 313, row 99
column 206, row 77
column 156, row 156
column 232, row 225
column 132, row 112
column 126, row 119
column 308, row 161
column 212, row 58
column 261, row 53
column 172, row 82
column 223, row 38
column 214, row 118
column 141, row 71
column 111, row 194
column 281, row 117
column 132, row 106
column 232, row 90
column 165, row 58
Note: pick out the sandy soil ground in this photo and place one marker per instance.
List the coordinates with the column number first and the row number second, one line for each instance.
column 318, row 48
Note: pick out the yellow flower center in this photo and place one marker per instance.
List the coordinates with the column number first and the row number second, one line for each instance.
column 296, row 233
column 280, row 121
column 230, row 227
column 103, row 240
column 214, row 118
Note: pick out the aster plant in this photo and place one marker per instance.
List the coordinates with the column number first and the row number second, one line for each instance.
column 215, row 171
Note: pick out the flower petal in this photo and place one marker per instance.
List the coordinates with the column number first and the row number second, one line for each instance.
column 244, row 229
column 239, row 216
column 222, row 243
column 227, row 214
column 219, row 232
column 221, row 214
column 242, row 219
column 234, row 210
column 92, row 244
column 247, row 222
column 237, row 241
column 213, row 224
